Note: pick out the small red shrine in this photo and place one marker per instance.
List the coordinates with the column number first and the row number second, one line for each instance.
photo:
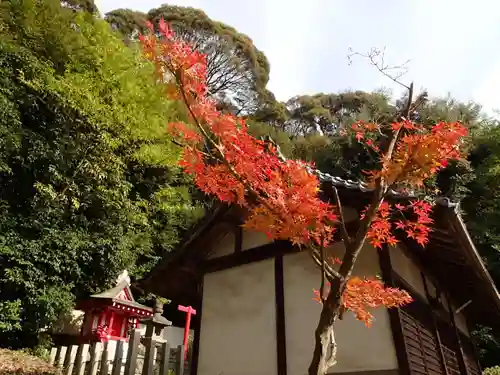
column 110, row 315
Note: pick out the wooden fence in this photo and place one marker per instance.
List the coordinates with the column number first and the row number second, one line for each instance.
column 140, row 356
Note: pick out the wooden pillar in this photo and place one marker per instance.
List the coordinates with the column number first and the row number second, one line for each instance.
column 99, row 320
column 179, row 360
column 394, row 316
column 111, row 320
column 53, row 355
column 123, row 332
column 62, row 355
column 461, row 356
column 279, row 289
column 133, row 349
column 84, row 323
column 434, row 324
column 118, row 360
column 104, row 368
column 475, row 352
column 93, row 363
column 149, row 354
column 69, row 360
column 165, row 359
column 81, row 359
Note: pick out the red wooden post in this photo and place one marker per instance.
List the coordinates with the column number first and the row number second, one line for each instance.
column 189, row 311
column 111, row 320
column 99, row 319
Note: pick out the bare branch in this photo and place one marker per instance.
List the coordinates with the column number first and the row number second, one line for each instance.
column 377, row 59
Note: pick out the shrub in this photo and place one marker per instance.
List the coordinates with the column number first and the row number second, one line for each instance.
column 495, row 370
column 18, row 362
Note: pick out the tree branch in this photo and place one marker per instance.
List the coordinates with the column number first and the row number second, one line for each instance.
column 343, row 229
column 323, row 272
column 250, row 190
column 355, row 247
column 377, row 58
column 331, row 274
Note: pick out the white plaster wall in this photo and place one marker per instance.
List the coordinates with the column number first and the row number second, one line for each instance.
column 461, row 323
column 460, row 320
column 407, row 269
column 238, row 328
column 253, row 239
column 360, row 348
column 175, row 335
column 224, row 247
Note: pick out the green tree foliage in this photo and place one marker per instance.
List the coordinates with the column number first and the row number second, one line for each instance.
column 327, row 113
column 270, row 111
column 473, row 181
column 488, row 349
column 237, row 71
column 128, row 22
column 314, row 122
column 84, row 5
column 88, row 182
column 482, row 204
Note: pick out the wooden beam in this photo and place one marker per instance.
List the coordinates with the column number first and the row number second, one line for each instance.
column 461, row 357
column 256, row 254
column 195, row 355
column 394, row 316
column 401, row 283
column 238, row 239
column 186, row 247
column 442, row 239
column 439, row 254
column 472, row 346
column 279, row 287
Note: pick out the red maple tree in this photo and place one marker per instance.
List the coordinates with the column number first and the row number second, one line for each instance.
column 281, row 196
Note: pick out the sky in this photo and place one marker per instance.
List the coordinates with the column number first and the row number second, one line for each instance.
column 452, row 46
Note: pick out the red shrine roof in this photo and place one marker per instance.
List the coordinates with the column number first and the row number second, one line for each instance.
column 119, row 297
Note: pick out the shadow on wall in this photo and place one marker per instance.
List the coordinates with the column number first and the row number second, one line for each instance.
column 175, row 336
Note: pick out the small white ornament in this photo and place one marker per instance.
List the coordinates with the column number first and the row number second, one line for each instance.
column 123, row 276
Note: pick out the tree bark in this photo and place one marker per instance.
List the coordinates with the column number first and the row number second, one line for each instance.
column 325, row 345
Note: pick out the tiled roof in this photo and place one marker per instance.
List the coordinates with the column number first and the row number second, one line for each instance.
column 360, row 185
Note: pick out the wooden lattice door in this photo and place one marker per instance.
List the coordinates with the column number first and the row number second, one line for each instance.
column 421, row 343
column 470, row 358
column 449, row 347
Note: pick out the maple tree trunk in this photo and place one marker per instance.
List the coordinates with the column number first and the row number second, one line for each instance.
column 325, row 345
